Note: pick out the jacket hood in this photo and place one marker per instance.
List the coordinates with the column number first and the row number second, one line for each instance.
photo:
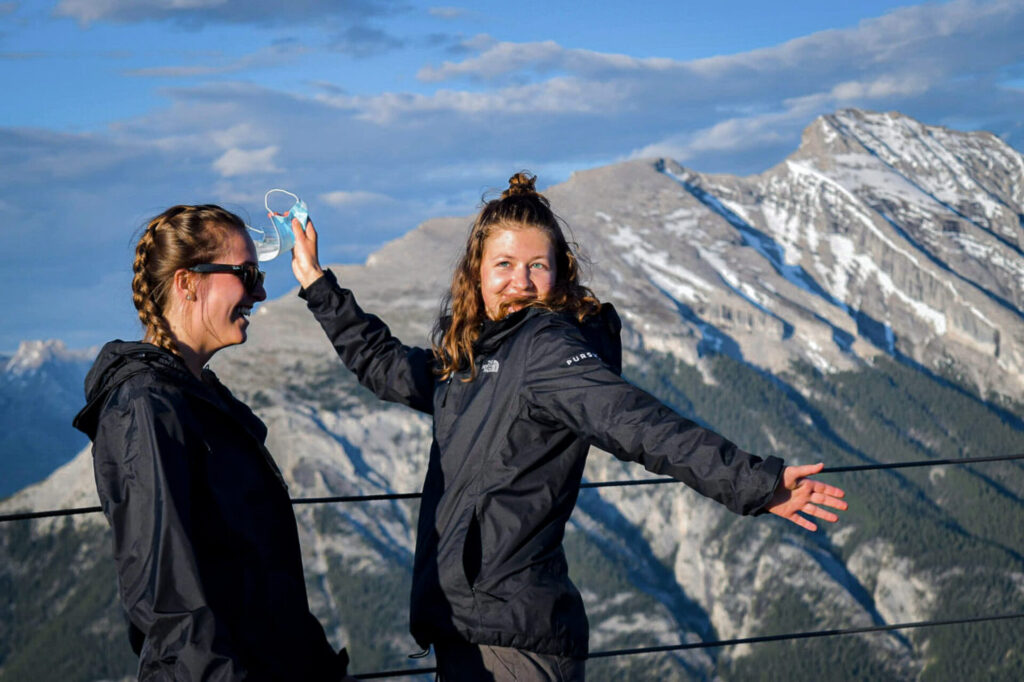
column 603, row 332
column 117, row 362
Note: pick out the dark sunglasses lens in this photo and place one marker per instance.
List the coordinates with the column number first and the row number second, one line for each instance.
column 252, row 277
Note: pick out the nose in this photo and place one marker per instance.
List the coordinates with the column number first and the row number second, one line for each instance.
column 259, row 293
column 522, row 279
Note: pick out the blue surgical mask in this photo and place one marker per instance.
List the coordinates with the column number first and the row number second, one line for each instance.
column 271, row 243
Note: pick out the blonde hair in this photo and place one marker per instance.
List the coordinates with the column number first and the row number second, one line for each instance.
column 519, row 206
column 180, row 237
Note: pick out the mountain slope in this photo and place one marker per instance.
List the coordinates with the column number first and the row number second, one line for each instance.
column 825, row 309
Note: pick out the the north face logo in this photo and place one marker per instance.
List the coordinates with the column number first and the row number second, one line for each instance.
column 490, row 367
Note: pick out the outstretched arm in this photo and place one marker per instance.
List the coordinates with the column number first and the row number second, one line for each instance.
column 798, row 493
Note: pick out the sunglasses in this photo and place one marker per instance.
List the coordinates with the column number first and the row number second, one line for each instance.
column 250, row 274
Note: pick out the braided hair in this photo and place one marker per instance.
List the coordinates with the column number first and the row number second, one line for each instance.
column 180, row 237
column 520, row 206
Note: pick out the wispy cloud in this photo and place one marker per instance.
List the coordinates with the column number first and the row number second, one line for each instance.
column 379, row 163
column 202, row 12
column 351, row 198
column 448, row 12
column 246, row 161
column 271, row 56
column 365, row 41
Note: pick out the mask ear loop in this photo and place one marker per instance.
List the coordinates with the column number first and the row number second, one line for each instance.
column 266, row 197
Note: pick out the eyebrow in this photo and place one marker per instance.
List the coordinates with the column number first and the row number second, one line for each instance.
column 509, row 255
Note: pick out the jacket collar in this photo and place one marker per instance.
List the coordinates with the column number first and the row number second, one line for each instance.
column 601, row 330
column 119, row 361
column 494, row 332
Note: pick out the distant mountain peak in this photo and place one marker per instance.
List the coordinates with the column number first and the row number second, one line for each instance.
column 31, row 355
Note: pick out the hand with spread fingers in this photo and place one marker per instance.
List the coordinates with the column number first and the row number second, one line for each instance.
column 797, row 494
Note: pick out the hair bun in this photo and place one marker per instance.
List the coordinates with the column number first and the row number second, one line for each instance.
column 519, row 184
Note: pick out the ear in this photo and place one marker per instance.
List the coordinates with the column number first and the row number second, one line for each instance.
column 184, row 287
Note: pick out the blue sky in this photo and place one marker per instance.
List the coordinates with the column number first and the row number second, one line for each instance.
column 381, row 113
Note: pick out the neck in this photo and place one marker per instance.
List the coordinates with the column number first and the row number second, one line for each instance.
column 195, row 361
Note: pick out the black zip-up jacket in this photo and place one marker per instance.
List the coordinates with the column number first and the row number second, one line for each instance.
column 207, row 551
column 507, row 460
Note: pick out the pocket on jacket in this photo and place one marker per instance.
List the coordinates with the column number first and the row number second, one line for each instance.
column 472, row 552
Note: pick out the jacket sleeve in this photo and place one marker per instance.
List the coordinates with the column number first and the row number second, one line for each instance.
column 570, row 383
column 393, row 371
column 143, row 479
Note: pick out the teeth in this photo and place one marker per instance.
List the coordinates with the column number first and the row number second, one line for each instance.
column 245, row 311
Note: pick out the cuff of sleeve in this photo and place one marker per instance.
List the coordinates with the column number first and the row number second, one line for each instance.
column 320, row 288
column 342, row 662
column 772, row 469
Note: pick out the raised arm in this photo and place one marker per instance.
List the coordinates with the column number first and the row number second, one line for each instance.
column 144, row 482
column 392, row 370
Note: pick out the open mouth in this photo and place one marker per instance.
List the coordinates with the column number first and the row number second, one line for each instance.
column 244, row 311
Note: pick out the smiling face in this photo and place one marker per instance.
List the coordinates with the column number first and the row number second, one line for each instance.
column 518, row 265
column 219, row 315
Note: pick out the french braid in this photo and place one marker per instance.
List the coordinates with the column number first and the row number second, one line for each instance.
column 180, row 237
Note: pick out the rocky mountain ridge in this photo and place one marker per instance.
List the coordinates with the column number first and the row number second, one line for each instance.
column 826, row 308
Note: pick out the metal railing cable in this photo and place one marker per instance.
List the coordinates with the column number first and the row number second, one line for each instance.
column 22, row 516
column 669, row 648
column 654, row 649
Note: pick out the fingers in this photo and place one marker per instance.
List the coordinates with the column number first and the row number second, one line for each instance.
column 308, row 231
column 816, row 511
column 805, row 470
column 802, row 522
column 819, row 497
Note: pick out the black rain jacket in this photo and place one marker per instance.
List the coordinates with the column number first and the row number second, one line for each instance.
column 207, row 550
column 507, row 460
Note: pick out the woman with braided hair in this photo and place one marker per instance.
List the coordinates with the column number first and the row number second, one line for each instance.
column 522, row 379
column 205, row 542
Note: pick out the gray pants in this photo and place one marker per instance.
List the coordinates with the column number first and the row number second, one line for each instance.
column 463, row 662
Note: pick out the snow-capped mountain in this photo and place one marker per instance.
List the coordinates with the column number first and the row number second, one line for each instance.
column 860, row 302
column 40, row 391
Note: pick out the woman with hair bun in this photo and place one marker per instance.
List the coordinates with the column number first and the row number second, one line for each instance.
column 522, row 379
column 207, row 551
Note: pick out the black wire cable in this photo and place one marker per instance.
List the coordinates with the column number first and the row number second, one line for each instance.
column 656, row 649
column 22, row 516
column 742, row 640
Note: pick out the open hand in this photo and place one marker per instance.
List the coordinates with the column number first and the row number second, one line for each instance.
column 797, row 493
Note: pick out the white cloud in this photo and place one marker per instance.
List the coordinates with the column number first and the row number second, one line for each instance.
column 246, row 161
column 447, row 12
column 540, row 106
column 503, row 58
column 272, row 56
column 885, row 86
column 199, row 12
column 349, row 198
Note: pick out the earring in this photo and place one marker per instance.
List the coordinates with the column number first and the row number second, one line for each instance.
column 189, row 297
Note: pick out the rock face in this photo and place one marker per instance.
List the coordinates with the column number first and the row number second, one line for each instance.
column 879, row 235
column 861, row 302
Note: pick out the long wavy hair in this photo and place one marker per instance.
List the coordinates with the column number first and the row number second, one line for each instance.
column 462, row 311
column 180, row 237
